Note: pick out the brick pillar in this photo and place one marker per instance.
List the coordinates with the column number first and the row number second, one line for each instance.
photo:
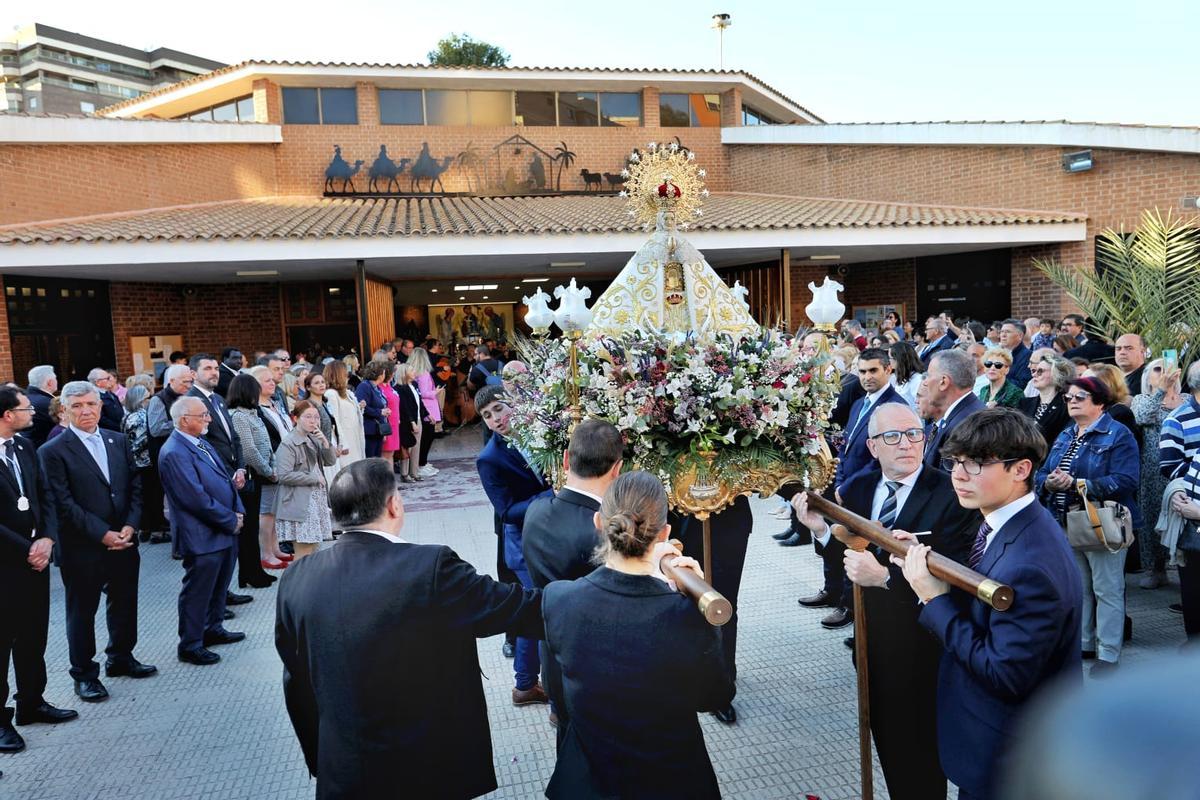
column 6, row 356
column 650, row 118
column 368, row 103
column 268, row 102
column 731, row 107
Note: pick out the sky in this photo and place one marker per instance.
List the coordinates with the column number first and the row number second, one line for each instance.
column 848, row 61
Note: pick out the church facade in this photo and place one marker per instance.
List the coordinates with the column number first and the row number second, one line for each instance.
column 272, row 203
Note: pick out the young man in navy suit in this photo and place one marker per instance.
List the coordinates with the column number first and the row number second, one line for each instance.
column 511, row 484
column 874, row 375
column 98, row 502
column 996, row 661
column 206, row 514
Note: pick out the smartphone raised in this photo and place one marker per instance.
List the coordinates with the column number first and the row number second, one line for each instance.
column 1170, row 359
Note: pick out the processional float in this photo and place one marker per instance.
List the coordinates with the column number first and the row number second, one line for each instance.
column 713, row 403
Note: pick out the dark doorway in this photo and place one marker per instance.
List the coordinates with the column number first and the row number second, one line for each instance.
column 321, row 318
column 974, row 285
column 66, row 323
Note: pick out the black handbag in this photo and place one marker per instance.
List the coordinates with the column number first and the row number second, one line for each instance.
column 385, row 427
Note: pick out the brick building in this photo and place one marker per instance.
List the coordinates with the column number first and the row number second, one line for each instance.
column 365, row 196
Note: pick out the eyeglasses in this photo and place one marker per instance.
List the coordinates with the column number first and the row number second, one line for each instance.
column 1039, row 370
column 24, row 408
column 994, row 364
column 203, row 415
column 971, row 466
column 1077, row 397
column 914, row 435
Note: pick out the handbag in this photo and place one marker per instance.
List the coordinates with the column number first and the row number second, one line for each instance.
column 1108, row 526
column 385, row 427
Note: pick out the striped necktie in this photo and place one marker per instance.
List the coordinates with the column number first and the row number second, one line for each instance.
column 887, row 513
column 979, row 547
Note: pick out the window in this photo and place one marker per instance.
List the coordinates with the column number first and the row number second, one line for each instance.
column 245, row 109
column 621, row 108
column 401, row 107
column 490, row 108
column 320, row 106
column 578, row 109
column 225, row 113
column 446, row 107
column 706, row 110
column 239, row 110
column 752, row 117
column 205, row 115
column 673, row 111
column 536, row 108
column 86, row 107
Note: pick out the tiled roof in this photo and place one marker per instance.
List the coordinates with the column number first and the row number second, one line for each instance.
column 358, row 65
column 317, row 218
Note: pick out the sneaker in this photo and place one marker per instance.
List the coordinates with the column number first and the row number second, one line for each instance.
column 1153, row 579
column 427, row 471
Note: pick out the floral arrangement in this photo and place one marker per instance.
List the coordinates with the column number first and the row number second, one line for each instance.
column 729, row 405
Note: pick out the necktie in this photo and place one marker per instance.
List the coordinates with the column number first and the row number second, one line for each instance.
column 979, row 547
column 204, row 449
column 96, row 446
column 10, row 460
column 887, row 514
column 861, row 416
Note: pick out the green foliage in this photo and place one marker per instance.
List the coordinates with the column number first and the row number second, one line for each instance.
column 1146, row 282
column 460, row 50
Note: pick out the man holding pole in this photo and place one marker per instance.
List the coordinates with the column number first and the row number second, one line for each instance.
column 899, row 492
column 995, row 661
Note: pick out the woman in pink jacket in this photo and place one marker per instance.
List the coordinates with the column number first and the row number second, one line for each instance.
column 391, row 442
column 431, row 419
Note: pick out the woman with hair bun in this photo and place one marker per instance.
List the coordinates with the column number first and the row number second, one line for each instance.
column 638, row 662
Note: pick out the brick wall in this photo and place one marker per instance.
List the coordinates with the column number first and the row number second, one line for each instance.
column 6, row 355
column 244, row 315
column 43, row 182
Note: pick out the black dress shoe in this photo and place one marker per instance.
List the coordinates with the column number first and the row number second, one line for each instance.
column 232, row 599
column 840, row 618
column 727, row 715
column 795, row 540
column 222, row 636
column 92, row 691
column 44, row 713
column 129, row 669
column 201, row 657
column 849, row 642
column 509, row 650
column 256, row 582
column 1128, row 632
column 160, row 537
column 787, row 533
column 228, row 614
column 1175, row 608
column 821, row 599
column 144, row 536
column 10, row 740
column 1088, row 655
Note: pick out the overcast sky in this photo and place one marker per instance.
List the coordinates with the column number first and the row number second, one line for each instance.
column 847, row 60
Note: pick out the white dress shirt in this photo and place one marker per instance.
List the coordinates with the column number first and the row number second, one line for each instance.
column 381, row 534
column 997, row 518
column 877, row 501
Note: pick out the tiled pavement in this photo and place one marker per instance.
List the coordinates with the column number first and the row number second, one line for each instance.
column 221, row 732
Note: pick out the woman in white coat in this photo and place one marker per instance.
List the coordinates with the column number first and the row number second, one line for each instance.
column 346, row 413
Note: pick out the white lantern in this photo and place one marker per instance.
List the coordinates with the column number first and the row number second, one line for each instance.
column 825, row 310
column 573, row 315
column 539, row 316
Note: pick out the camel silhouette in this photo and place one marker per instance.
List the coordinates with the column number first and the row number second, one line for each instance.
column 428, row 169
column 384, row 167
column 340, row 170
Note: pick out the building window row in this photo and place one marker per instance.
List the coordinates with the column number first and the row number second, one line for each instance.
column 42, row 52
column 462, row 107
column 80, row 85
column 239, row 110
column 753, row 117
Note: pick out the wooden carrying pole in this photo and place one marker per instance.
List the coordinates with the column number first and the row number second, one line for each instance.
column 862, row 675
column 995, row 594
column 712, row 604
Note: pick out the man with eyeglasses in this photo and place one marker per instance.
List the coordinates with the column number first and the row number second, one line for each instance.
column 874, row 374
column 946, row 398
column 995, row 662
column 901, row 493
column 206, row 515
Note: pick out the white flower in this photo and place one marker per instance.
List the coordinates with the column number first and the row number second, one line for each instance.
column 730, row 436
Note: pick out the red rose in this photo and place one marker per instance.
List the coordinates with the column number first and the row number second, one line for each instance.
column 805, row 378
column 777, row 385
column 666, row 188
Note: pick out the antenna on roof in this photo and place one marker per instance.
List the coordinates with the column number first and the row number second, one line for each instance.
column 720, row 23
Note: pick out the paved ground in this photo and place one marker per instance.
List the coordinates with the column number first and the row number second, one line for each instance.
column 222, row 732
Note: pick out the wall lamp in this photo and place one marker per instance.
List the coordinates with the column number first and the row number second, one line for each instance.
column 1079, row 161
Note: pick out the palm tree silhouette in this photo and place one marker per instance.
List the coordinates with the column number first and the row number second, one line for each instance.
column 469, row 161
column 565, row 158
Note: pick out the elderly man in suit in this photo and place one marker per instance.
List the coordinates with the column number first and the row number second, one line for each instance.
column 411, row 622
column 937, row 337
column 27, row 531
column 111, row 410
column 874, row 374
column 43, row 383
column 97, row 498
column 996, row 662
column 511, row 484
column 559, row 538
column 899, row 491
column 946, row 397
column 206, row 514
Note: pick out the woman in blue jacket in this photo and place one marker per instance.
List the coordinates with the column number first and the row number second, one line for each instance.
column 1103, row 452
column 638, row 662
column 375, row 411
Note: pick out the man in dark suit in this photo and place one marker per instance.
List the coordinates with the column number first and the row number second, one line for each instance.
column 1012, row 338
column 43, row 383
column 946, row 398
column 232, row 362
column 27, row 531
column 874, row 374
column 901, row 493
column 111, row 410
column 406, row 633
column 98, row 503
column 559, row 538
column 206, row 514
column 996, row 662
column 938, row 337
column 511, row 484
